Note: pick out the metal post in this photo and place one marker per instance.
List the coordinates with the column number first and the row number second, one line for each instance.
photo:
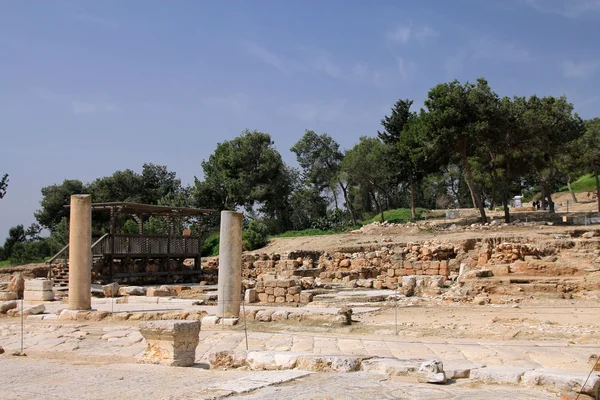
column 245, row 326
column 22, row 309
column 396, row 309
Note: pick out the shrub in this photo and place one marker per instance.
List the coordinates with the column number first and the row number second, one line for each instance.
column 210, row 247
column 255, row 236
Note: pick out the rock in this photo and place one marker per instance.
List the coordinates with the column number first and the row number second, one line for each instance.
column 111, row 290
column 38, row 295
column 8, row 296
column 68, row 315
column 589, row 235
column 170, row 343
column 432, row 372
column 320, row 363
column 229, row 321
column 391, row 366
column 271, row 360
column 563, row 380
column 344, row 316
column 7, row 305
column 17, row 285
column 250, row 296
column 1, row 350
column 211, row 320
column 132, row 291
column 280, row 315
column 264, row 315
column 511, row 375
column 306, row 297
column 162, row 291
column 481, row 300
column 227, row 359
column 34, row 310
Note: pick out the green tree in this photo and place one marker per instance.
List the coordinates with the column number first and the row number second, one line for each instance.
column 54, row 199
column 246, row 172
column 3, row 185
column 320, row 158
column 549, row 125
column 365, row 170
column 590, row 148
column 457, row 116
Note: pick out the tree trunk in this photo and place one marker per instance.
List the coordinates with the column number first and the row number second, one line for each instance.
column 474, row 195
column 571, row 190
column 378, row 205
column 413, row 213
column 546, row 191
column 597, row 186
column 348, row 205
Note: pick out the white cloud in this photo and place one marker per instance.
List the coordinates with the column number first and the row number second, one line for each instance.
column 582, row 69
column 322, row 61
column 566, row 8
column 400, row 34
column 406, row 67
column 404, row 33
column 264, row 55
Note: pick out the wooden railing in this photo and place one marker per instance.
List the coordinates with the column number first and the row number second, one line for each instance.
column 147, row 245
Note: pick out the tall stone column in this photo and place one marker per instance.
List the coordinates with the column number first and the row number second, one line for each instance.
column 230, row 265
column 80, row 253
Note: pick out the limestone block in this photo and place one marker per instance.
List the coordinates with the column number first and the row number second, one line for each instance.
column 38, row 295
column 162, row 291
column 16, row 285
column 270, row 360
column 34, row 310
column 38, row 284
column 510, row 375
column 7, row 296
column 279, row 292
column 263, row 297
column 306, row 297
column 227, row 359
column 264, row 315
column 7, row 305
column 432, row 372
column 111, row 290
column 279, row 315
column 250, row 296
column 279, row 299
column 392, row 366
column 563, row 380
column 170, row 342
column 294, row 290
column 132, row 291
column 271, row 299
column 269, row 290
column 229, row 321
column 319, row 363
column 68, row 315
column 211, row 320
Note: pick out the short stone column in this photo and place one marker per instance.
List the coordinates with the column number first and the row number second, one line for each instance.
column 170, row 342
column 80, row 253
column 230, row 265
column 38, row 290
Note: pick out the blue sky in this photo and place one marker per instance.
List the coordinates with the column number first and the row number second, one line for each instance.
column 89, row 87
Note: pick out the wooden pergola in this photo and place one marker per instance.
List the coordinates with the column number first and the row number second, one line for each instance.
column 134, row 252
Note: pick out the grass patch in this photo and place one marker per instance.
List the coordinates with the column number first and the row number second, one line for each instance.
column 306, row 232
column 585, row 183
column 400, row 215
column 5, row 263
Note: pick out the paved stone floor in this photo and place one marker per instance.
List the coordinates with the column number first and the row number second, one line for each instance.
column 124, row 341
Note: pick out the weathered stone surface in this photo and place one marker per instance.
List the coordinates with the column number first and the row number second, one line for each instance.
column 7, row 305
column 68, row 315
column 306, row 297
column 227, row 359
column 501, row 374
column 280, row 315
column 162, row 291
column 111, row 290
column 7, row 296
column 264, row 315
column 271, row 360
column 319, row 363
column 250, row 296
column 38, row 284
column 481, row 300
column 460, row 369
column 38, row 295
column 432, row 372
column 17, row 285
column 170, row 343
column 564, row 380
column 392, row 366
column 211, row 320
column 34, row 310
column 229, row 321
column 132, row 291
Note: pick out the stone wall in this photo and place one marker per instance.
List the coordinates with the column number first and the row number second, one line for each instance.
column 281, row 290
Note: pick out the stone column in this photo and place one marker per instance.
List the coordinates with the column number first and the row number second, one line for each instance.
column 80, row 253
column 230, row 265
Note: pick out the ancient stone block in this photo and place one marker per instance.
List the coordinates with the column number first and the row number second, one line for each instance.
column 7, row 305
column 270, row 290
column 111, row 290
column 7, row 296
column 297, row 298
column 263, row 297
column 271, row 299
column 294, row 290
column 38, row 284
column 42, row 295
column 306, row 297
column 170, row 343
column 279, row 292
column 279, row 299
column 250, row 296
column 289, row 298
